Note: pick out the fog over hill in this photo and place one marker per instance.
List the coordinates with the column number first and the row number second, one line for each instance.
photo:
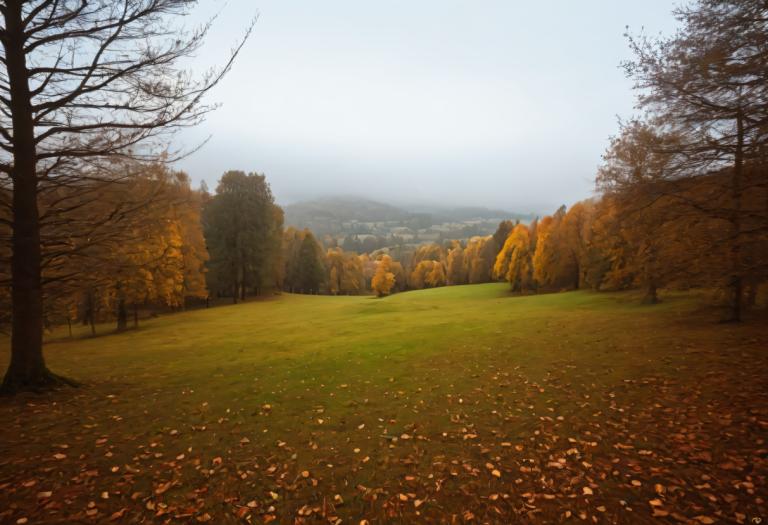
column 345, row 216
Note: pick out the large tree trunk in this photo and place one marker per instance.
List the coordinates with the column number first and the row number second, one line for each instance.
column 27, row 370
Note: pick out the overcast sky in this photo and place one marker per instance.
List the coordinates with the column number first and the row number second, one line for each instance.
column 497, row 103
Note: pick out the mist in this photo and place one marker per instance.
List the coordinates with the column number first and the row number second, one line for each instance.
column 500, row 104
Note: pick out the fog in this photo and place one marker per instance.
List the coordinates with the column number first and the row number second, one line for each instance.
column 493, row 103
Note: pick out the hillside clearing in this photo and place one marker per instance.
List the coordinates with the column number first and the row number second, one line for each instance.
column 459, row 404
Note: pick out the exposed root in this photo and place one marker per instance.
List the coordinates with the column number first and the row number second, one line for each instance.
column 43, row 381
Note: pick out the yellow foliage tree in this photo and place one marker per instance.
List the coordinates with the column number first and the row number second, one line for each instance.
column 514, row 260
column 383, row 279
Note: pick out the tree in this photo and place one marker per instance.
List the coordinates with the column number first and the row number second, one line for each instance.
column 345, row 272
column 706, row 84
column 514, row 260
column 501, row 234
column 152, row 258
column 456, row 272
column 310, row 272
column 479, row 257
column 576, row 234
column 83, row 83
column 383, row 279
column 243, row 230
column 436, row 276
column 428, row 274
column 552, row 260
column 632, row 176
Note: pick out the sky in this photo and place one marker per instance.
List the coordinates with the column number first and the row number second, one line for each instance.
column 497, row 103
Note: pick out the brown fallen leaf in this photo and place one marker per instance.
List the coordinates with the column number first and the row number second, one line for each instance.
column 163, row 487
column 119, row 514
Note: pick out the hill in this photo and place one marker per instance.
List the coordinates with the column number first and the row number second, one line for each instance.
column 303, row 408
column 342, row 216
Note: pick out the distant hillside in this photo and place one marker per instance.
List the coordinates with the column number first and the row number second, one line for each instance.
column 342, row 209
column 344, row 216
column 466, row 213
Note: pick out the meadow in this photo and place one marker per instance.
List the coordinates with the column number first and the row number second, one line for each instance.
column 462, row 404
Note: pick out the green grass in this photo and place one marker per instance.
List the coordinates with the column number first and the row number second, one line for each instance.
column 478, row 380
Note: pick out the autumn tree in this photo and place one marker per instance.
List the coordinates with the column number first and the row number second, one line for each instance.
column 553, row 262
column 501, row 234
column 514, row 261
column 82, row 83
column 633, row 178
column 456, row 269
column 147, row 259
column 479, row 258
column 345, row 272
column 383, row 279
column 576, row 233
column 428, row 274
column 707, row 85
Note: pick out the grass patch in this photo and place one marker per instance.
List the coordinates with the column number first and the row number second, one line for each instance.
column 461, row 403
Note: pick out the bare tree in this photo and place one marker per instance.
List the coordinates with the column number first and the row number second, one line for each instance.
column 85, row 85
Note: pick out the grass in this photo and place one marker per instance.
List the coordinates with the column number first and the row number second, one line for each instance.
column 458, row 404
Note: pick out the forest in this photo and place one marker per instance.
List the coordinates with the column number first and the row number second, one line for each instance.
column 602, row 363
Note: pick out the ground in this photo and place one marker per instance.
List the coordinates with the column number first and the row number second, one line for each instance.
column 454, row 405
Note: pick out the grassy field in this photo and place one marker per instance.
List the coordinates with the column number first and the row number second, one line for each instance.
column 453, row 405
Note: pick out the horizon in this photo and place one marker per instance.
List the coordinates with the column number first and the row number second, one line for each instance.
column 351, row 98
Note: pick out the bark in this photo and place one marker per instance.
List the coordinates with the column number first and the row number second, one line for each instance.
column 736, row 279
column 135, row 315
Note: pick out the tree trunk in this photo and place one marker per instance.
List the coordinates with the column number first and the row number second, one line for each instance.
column 736, row 279
column 651, row 290
column 651, row 294
column 243, row 285
column 122, row 309
column 135, row 315
column 27, row 370
column 91, row 313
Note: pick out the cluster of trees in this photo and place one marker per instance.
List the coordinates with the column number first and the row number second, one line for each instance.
column 119, row 246
column 91, row 92
column 689, row 181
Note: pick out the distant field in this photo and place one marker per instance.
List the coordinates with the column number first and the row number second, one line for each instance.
column 453, row 405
